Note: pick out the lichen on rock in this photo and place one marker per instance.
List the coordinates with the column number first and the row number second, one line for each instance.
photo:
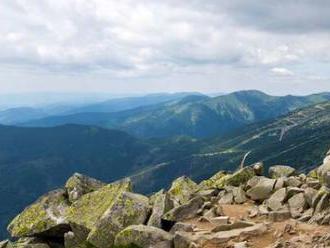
column 78, row 185
column 44, row 217
column 127, row 209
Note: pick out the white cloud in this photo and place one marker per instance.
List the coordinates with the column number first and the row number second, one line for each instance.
column 282, row 71
column 148, row 40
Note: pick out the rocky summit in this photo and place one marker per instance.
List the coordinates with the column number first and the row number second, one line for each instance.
column 241, row 209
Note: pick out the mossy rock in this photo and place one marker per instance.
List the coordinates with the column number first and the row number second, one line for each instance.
column 161, row 204
column 240, row 177
column 72, row 241
column 4, row 243
column 182, row 189
column 44, row 217
column 213, row 181
column 144, row 236
column 278, row 171
column 127, row 209
column 185, row 211
column 86, row 211
column 27, row 243
column 79, row 185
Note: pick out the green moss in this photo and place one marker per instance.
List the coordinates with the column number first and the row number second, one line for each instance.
column 239, row 177
column 182, row 188
column 84, row 211
column 213, row 181
column 40, row 216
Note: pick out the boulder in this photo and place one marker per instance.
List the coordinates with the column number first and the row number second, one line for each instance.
column 293, row 191
column 184, row 240
column 162, row 203
column 221, row 220
column 240, row 177
column 45, row 217
column 222, row 237
column 275, row 202
column 236, row 225
column 239, row 195
column 327, row 158
column 279, row 183
column 3, row 244
column 28, row 243
column 309, row 194
column 213, row 182
column 227, row 198
column 182, row 189
column 297, row 204
column 182, row 227
column 279, row 215
column 258, row 168
column 323, row 194
column 79, row 184
column 281, row 171
column 144, row 237
column 262, row 190
column 83, row 215
column 128, row 209
column 186, row 211
column 293, row 182
column 72, row 241
column 307, row 215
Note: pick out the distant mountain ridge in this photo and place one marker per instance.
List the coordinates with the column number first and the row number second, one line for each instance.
column 197, row 116
column 18, row 115
column 36, row 160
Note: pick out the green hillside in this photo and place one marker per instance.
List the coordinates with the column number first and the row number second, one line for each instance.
column 299, row 139
column 196, row 116
column 36, row 160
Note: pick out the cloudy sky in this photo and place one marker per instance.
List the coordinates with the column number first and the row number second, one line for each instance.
column 279, row 46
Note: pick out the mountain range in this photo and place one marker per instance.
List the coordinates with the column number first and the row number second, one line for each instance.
column 34, row 160
column 188, row 115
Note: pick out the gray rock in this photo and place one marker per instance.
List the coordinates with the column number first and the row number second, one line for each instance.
column 275, row 202
column 258, row 168
column 79, row 184
column 254, row 181
column 28, row 243
column 182, row 189
column 313, row 183
column 309, row 194
column 297, row 205
column 3, row 244
column 293, row 182
column 322, row 204
column 307, row 215
column 235, row 225
column 281, row 171
column 291, row 191
column 162, row 203
column 44, row 217
column 185, row 211
column 239, row 195
column 279, row 183
column 128, row 209
column 262, row 190
column 184, row 240
column 144, row 236
column 210, row 213
column 182, row 227
column 241, row 245
column 221, row 220
column 228, row 198
column 279, row 215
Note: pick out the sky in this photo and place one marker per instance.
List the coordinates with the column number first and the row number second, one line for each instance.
column 141, row 46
